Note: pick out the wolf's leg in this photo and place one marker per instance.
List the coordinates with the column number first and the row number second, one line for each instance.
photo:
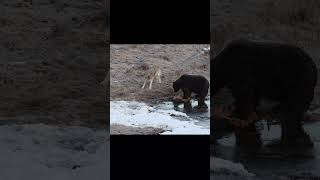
column 144, row 84
column 151, row 80
column 159, row 78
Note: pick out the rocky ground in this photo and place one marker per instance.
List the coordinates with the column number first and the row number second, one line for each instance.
column 129, row 64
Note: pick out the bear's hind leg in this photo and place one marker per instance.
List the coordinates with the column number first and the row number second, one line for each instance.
column 292, row 132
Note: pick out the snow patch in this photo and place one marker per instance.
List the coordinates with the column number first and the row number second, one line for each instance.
column 49, row 152
column 138, row 114
column 221, row 166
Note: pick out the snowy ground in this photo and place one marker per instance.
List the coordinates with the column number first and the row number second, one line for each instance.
column 225, row 169
column 40, row 151
column 138, row 114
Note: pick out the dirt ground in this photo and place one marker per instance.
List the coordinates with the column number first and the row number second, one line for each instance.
column 53, row 57
column 117, row 129
column 127, row 72
column 290, row 21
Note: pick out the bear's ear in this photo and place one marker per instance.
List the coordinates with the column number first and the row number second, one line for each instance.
column 176, row 86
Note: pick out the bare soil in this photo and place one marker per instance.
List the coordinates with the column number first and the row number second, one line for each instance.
column 117, row 129
column 53, row 57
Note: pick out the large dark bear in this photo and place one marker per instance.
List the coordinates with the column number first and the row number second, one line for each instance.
column 193, row 84
column 279, row 72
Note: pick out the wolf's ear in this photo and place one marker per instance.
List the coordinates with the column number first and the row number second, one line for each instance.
column 178, row 73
